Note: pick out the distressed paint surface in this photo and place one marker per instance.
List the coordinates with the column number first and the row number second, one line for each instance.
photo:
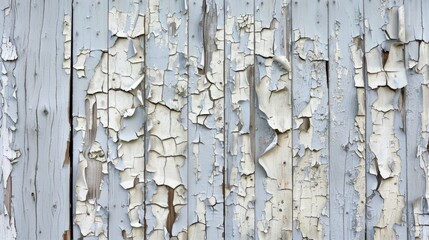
column 273, row 137
column 206, row 119
column 386, row 160
column 166, row 104
column 90, row 136
column 417, row 118
column 417, row 137
column 213, row 119
column 347, row 121
column 416, row 186
column 239, row 115
column 310, row 121
column 126, row 118
column 9, row 118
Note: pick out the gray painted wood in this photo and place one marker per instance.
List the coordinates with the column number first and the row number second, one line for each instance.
column 413, row 96
column 416, row 93
column 415, row 174
column 425, row 21
column 34, row 120
column 347, row 121
column 35, row 128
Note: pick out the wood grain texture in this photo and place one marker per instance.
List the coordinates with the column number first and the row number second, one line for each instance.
column 34, row 119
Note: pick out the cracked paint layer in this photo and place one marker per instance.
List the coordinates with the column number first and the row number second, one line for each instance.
column 310, row 122
column 8, row 120
column 239, row 106
column 386, row 74
column 126, row 113
column 67, row 33
column 8, row 124
column 8, row 50
column 273, row 121
column 113, row 132
column 166, row 104
column 90, row 121
column 206, row 119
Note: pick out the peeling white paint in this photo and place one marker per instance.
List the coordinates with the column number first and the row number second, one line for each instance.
column 115, row 97
column 8, row 50
column 80, row 62
column 166, row 98
column 240, row 169
column 386, row 78
column 273, row 91
column 8, row 120
column 206, row 120
column 67, row 26
column 223, row 97
column 360, row 128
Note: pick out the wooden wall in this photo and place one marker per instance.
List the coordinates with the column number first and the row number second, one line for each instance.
column 214, row 119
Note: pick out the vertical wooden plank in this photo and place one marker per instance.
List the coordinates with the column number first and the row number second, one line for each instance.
column 126, row 116
column 34, row 119
column 386, row 79
column 273, row 120
column 346, row 121
column 420, row 205
column 310, row 119
column 206, row 119
column 239, row 112
column 417, row 120
column 416, row 179
column 50, row 105
column 90, row 120
column 166, row 99
column 417, row 140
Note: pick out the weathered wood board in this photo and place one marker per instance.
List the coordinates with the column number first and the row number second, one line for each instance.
column 347, row 121
column 214, row 119
column 35, row 119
